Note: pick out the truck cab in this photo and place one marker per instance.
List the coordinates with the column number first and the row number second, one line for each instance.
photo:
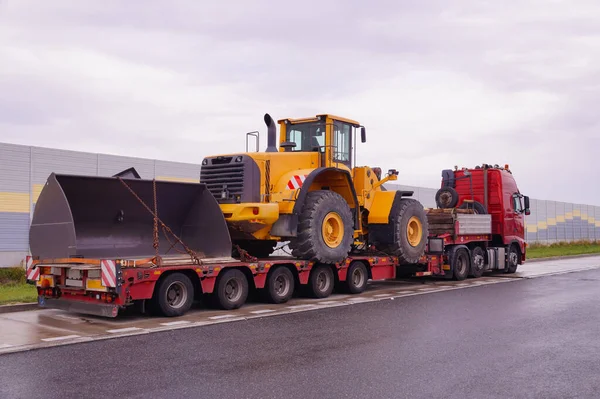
column 491, row 190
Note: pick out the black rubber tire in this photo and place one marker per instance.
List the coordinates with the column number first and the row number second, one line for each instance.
column 512, row 259
column 279, row 286
column 400, row 215
column 476, row 206
column 256, row 248
column 477, row 262
column 321, row 281
column 173, row 283
column 231, row 279
column 356, row 278
column 446, row 197
column 460, row 261
column 309, row 243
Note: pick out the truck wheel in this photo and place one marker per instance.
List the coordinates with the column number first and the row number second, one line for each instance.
column 477, row 262
column 476, row 206
column 460, row 262
column 356, row 278
column 410, row 231
column 320, row 283
column 325, row 228
column 231, row 290
column 512, row 259
column 446, row 197
column 174, row 295
column 280, row 285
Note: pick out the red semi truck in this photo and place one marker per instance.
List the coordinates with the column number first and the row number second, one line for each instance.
column 478, row 226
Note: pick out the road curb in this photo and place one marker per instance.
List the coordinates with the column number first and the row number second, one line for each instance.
column 561, row 257
column 18, row 307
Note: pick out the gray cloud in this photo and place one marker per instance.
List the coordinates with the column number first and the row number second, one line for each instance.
column 436, row 83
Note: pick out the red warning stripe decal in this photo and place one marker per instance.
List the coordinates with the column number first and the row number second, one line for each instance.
column 296, row 181
column 108, row 273
column 33, row 274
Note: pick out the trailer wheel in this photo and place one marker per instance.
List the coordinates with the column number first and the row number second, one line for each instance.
column 461, row 263
column 174, row 295
column 477, row 262
column 356, row 278
column 321, row 281
column 512, row 259
column 280, row 285
column 231, row 290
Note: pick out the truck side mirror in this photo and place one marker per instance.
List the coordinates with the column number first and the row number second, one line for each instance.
column 363, row 134
column 527, row 210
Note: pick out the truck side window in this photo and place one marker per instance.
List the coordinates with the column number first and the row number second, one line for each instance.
column 517, row 203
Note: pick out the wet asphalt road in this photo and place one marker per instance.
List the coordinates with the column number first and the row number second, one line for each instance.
column 536, row 338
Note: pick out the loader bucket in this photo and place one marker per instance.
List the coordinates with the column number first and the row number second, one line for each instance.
column 98, row 217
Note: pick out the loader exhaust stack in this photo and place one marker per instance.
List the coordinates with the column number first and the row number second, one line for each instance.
column 98, row 217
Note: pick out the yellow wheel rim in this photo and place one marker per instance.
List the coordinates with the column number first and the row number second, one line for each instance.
column 414, row 230
column 333, row 230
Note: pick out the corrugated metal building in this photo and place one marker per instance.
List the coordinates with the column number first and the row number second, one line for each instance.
column 24, row 170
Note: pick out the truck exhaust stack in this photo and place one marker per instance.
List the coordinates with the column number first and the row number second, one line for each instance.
column 98, row 217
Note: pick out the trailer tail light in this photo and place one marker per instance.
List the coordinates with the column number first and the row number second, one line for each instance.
column 110, row 273
column 32, row 272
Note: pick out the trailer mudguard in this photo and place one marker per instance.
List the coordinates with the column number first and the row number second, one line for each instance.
column 99, row 217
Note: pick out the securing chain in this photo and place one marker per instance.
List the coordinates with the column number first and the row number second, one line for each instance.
column 158, row 221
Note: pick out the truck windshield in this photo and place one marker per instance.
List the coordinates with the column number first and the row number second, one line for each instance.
column 307, row 136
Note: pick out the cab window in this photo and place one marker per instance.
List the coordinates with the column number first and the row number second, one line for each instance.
column 518, row 203
column 341, row 142
column 307, row 136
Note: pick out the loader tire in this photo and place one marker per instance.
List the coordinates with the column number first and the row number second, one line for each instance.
column 325, row 228
column 409, row 231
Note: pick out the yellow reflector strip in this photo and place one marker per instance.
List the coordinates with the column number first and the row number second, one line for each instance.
column 94, row 285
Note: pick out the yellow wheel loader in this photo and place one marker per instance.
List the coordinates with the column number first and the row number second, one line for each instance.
column 309, row 192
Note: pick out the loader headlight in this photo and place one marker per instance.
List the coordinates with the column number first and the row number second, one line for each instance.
column 205, row 161
column 239, row 158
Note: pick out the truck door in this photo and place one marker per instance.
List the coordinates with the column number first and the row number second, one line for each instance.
column 515, row 220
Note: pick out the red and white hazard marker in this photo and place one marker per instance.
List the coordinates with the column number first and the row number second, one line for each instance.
column 296, row 181
column 108, row 273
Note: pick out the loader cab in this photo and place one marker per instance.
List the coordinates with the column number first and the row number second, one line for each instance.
column 329, row 135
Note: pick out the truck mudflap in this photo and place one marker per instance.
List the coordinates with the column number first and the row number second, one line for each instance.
column 113, row 217
column 96, row 309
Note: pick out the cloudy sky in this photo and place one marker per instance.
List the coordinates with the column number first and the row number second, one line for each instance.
column 437, row 83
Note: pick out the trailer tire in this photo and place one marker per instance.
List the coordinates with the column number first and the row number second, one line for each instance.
column 321, row 282
column 325, row 228
column 231, row 290
column 460, row 262
column 174, row 295
column 512, row 259
column 356, row 278
column 476, row 206
column 477, row 262
column 279, row 287
column 446, row 197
